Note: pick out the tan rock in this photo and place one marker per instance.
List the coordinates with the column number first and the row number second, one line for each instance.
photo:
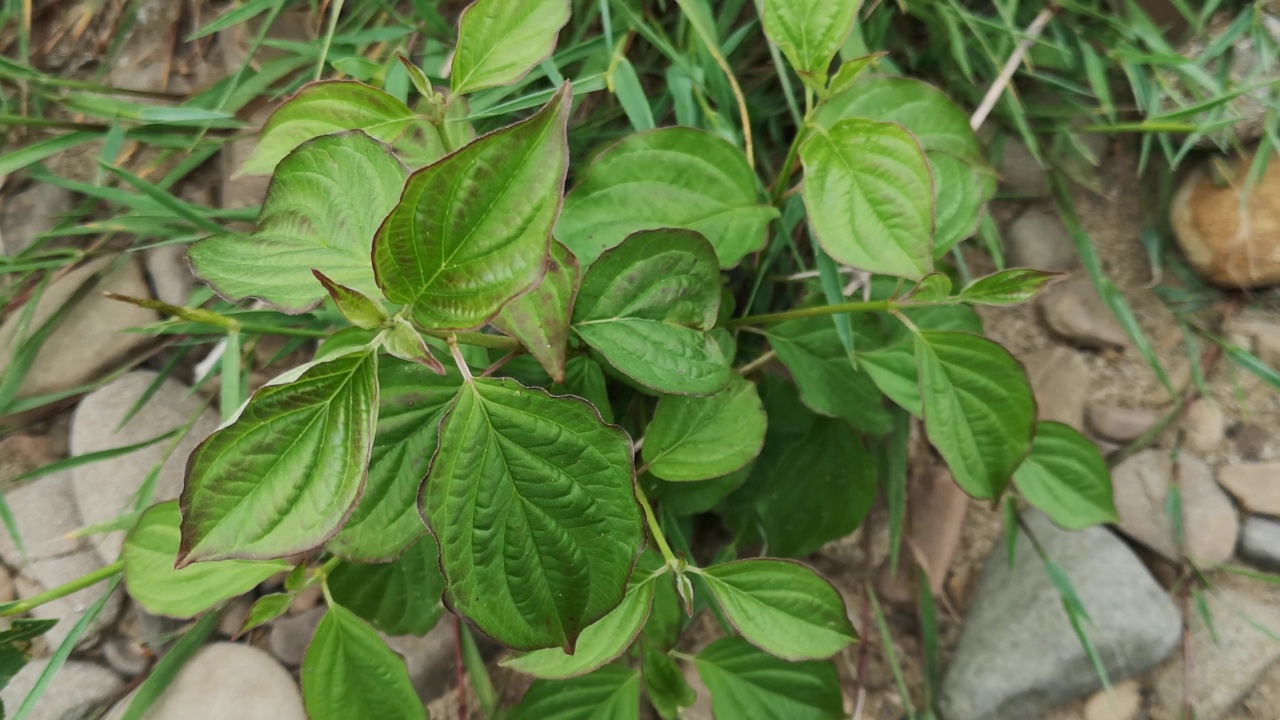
column 1204, row 427
column 1255, row 485
column 91, row 337
column 1209, row 521
column 1122, row 702
column 1226, row 244
column 1119, row 424
column 1060, row 379
column 1074, row 312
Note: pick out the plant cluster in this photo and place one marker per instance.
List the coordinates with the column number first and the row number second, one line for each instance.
column 539, row 389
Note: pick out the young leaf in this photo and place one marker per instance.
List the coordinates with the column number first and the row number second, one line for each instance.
column 932, row 288
column 324, row 108
column 400, row 597
column 664, row 684
column 612, row 692
column 357, row 308
column 646, row 305
column 850, row 71
column 696, row 438
column 405, row 343
column 150, row 550
column 411, row 402
column 809, row 33
column 812, row 351
column 869, row 194
column 265, row 609
column 1008, row 287
column 323, row 206
column 747, row 683
column 808, row 489
column 668, row 178
column 349, row 673
column 782, row 607
column 440, row 132
column 978, row 408
column 471, row 232
column 528, row 475
column 540, row 319
column 499, row 41
column 1066, row 477
column 600, row 643
column 281, row 478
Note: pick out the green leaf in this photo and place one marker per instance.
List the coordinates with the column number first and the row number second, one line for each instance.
column 812, row 351
column 472, row 231
column 932, row 288
column 540, row 319
column 850, row 71
column 664, row 684
column 400, row 597
column 610, row 693
column 357, row 308
column 893, row 368
column 810, row 32
column 584, row 378
column 646, row 305
column 499, row 41
column 747, row 683
column 1008, row 287
column 527, row 476
column 1067, row 478
column 808, row 489
column 323, row 206
column 667, row 178
column 869, row 193
column 978, row 408
column 441, row 132
column 600, row 643
column 324, row 108
column 782, row 607
column 349, row 673
column 691, row 498
column 267, row 608
column 696, row 438
column 17, row 645
column 962, row 181
column 411, row 402
column 150, row 550
column 281, row 478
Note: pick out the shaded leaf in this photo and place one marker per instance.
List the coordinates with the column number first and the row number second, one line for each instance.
column 812, row 351
column 540, row 318
column 610, row 693
column 401, row 597
column 747, row 683
column 531, row 475
column 691, row 498
column 601, row 642
column 668, row 178
column 471, row 232
column 411, row 402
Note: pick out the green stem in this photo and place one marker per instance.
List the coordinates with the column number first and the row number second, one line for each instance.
column 780, row 186
column 820, row 311
column 62, row 591
column 658, row 537
column 484, row 340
